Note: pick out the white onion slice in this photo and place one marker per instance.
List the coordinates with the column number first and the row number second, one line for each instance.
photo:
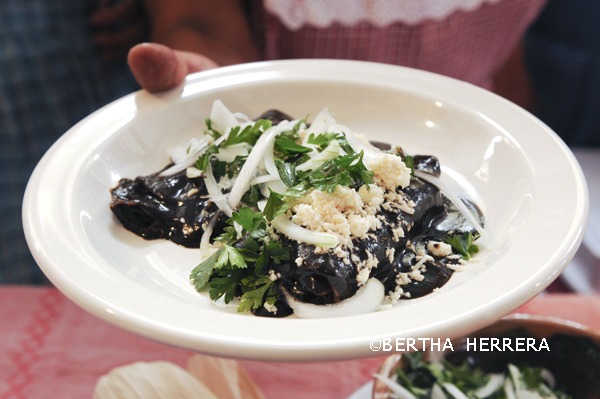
column 366, row 300
column 548, row 378
column 437, row 392
column 222, row 118
column 454, row 391
column 206, row 235
column 456, row 200
column 215, row 192
column 180, row 154
column 322, row 121
column 398, row 389
column 228, row 154
column 300, row 234
column 268, row 160
column 357, row 144
column 242, row 117
column 276, row 185
column 509, row 389
column 319, row 158
column 242, row 183
column 494, row 383
column 193, row 172
column 184, row 157
column 264, row 179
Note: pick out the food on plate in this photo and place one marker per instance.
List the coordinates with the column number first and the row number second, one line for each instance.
column 441, row 379
column 518, row 357
column 305, row 218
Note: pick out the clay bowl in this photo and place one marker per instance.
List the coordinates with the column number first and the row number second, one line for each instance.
column 573, row 356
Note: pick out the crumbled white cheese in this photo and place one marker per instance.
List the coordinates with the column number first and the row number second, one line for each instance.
column 399, row 201
column 438, row 248
column 390, row 171
column 397, row 233
column 390, row 254
column 299, row 261
column 372, row 198
column 363, row 276
column 395, row 295
column 456, row 268
column 340, row 213
column 340, row 253
column 419, row 267
column 270, row 308
column 416, row 275
column 419, row 249
column 273, row 276
column 364, row 268
column 271, row 233
column 402, row 279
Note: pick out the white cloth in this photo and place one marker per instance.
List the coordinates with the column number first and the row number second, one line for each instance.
column 295, row 14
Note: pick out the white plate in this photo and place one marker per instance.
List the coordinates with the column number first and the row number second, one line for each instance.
column 524, row 178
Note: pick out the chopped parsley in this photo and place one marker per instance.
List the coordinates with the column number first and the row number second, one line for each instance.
column 322, row 140
column 249, row 135
column 210, row 130
column 345, row 170
column 204, row 158
column 238, row 267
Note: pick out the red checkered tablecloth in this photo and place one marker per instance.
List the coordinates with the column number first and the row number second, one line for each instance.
column 49, row 347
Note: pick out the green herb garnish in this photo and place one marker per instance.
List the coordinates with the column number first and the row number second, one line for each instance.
column 463, row 244
column 237, row 268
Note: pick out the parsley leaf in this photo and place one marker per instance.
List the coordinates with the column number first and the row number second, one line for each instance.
column 409, row 161
column 204, row 158
column 211, row 131
column 354, row 164
column 532, row 377
column 234, row 167
column 408, row 384
column 276, row 205
column 464, row 377
column 343, row 142
column 322, row 140
column 231, row 256
column 225, row 256
column 227, row 283
column 251, row 196
column 249, row 135
column 288, row 147
column 463, row 244
column 287, row 172
column 251, row 222
column 272, row 250
column 201, row 273
column 255, row 290
column 219, row 169
column 329, row 182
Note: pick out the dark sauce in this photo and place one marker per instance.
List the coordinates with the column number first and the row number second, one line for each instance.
column 177, row 208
